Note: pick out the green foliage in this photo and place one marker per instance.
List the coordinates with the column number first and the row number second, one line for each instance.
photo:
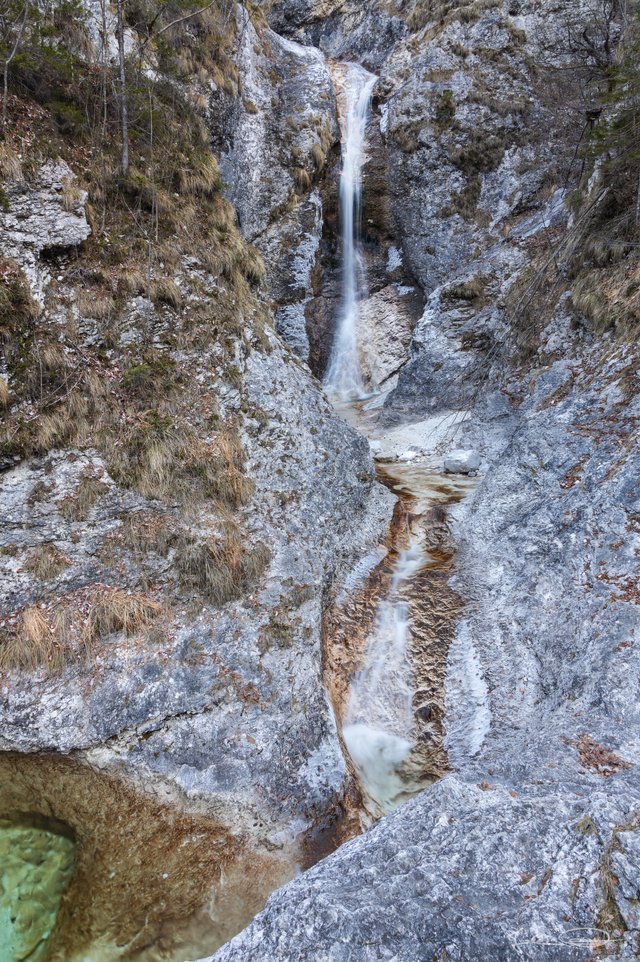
column 615, row 140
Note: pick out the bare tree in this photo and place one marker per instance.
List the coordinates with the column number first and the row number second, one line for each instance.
column 122, row 83
column 21, row 23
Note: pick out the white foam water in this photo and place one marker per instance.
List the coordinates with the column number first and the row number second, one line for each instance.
column 379, row 718
column 344, row 379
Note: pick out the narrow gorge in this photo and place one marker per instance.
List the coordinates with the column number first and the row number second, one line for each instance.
column 320, row 481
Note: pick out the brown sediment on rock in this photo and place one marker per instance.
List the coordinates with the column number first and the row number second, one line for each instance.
column 434, row 611
column 151, row 882
column 435, row 608
column 347, row 626
column 337, row 826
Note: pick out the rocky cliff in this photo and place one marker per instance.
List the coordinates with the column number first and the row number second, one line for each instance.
column 528, row 848
column 180, row 503
column 177, row 498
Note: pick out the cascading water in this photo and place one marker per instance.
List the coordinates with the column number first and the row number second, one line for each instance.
column 344, row 379
column 379, row 717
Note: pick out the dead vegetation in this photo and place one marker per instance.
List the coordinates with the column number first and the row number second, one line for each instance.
column 222, row 569
column 599, row 759
column 46, row 562
column 440, row 12
column 168, row 210
column 77, row 506
column 65, row 631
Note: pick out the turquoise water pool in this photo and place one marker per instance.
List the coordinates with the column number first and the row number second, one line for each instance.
column 36, row 865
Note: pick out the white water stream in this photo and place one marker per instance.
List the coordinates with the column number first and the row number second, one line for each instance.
column 379, row 718
column 343, row 379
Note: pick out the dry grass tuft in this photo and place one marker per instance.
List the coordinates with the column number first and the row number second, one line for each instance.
column 169, row 462
column 203, row 179
column 116, row 611
column 46, row 562
column 32, row 645
column 131, row 280
column 318, row 156
column 301, row 179
column 76, row 506
column 69, row 631
column 98, row 306
column 70, row 194
column 5, row 395
column 165, row 291
column 223, row 570
column 17, row 306
column 10, row 166
column 253, row 266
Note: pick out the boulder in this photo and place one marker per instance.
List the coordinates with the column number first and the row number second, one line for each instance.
column 460, row 461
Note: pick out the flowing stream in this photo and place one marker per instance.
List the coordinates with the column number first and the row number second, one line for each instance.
column 392, row 724
column 344, row 379
column 393, row 636
column 379, row 717
column 391, row 640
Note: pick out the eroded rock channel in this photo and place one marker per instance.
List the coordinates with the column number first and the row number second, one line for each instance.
column 319, row 504
column 387, row 642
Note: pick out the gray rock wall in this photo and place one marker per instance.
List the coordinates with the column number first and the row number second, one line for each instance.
column 528, row 850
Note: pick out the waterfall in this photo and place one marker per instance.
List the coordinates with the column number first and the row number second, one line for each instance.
column 344, row 378
column 379, row 718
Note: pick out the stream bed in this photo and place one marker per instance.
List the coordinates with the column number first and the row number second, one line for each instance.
column 388, row 639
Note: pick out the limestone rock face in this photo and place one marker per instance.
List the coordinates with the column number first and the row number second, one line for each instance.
column 387, row 321
column 290, row 249
column 511, row 856
column 45, row 215
column 266, row 139
column 214, row 710
column 273, row 143
column 168, row 711
column 216, row 713
column 514, row 848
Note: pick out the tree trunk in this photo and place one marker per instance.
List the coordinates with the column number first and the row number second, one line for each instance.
column 124, row 106
column 5, row 73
